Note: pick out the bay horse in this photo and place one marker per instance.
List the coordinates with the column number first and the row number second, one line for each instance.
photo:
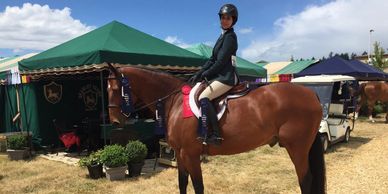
column 370, row 93
column 281, row 113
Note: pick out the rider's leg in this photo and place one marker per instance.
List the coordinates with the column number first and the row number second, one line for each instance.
column 213, row 91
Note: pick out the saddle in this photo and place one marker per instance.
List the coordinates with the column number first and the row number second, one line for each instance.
column 220, row 103
column 237, row 91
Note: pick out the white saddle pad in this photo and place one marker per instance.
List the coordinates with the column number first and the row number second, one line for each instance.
column 222, row 104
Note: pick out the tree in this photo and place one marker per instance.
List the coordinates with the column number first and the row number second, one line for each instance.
column 312, row 58
column 330, row 54
column 292, row 58
column 364, row 53
column 344, row 56
column 378, row 58
column 353, row 56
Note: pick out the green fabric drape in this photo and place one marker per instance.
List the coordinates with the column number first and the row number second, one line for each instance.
column 28, row 109
column 70, row 109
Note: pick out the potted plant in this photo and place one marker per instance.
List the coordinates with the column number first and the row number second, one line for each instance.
column 137, row 152
column 16, row 147
column 93, row 163
column 114, row 159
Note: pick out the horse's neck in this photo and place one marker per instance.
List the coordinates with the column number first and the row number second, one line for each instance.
column 151, row 86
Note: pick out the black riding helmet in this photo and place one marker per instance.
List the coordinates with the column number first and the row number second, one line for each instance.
column 231, row 10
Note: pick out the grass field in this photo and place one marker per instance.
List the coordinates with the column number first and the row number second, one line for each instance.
column 360, row 166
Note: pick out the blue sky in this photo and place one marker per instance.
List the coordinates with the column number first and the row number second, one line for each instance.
column 261, row 24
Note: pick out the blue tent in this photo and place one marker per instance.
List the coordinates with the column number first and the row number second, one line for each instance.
column 338, row 66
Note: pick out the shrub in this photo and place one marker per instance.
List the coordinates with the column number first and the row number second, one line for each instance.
column 136, row 151
column 114, row 156
column 93, row 159
column 16, row 142
column 378, row 109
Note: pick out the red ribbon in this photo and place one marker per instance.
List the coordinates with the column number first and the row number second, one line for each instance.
column 185, row 105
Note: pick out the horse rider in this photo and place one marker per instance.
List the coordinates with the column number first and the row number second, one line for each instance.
column 220, row 70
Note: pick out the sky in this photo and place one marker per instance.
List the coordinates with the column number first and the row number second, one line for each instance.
column 271, row 30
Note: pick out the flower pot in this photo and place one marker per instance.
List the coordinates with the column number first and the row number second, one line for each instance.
column 95, row 171
column 117, row 173
column 135, row 169
column 17, row 154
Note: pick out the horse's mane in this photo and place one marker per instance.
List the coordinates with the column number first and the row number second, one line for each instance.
column 158, row 72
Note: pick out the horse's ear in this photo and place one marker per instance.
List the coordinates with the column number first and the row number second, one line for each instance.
column 113, row 69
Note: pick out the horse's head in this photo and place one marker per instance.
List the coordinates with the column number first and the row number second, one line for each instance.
column 140, row 86
column 115, row 97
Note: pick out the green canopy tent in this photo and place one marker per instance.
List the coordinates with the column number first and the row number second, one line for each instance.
column 111, row 43
column 90, row 53
column 296, row 67
column 244, row 67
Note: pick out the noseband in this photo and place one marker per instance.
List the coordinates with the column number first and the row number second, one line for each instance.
column 113, row 105
column 126, row 106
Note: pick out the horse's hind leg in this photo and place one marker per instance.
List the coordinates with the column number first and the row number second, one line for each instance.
column 297, row 139
column 299, row 155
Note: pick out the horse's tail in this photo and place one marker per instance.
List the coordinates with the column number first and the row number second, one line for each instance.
column 317, row 167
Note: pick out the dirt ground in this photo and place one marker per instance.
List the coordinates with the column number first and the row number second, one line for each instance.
column 360, row 166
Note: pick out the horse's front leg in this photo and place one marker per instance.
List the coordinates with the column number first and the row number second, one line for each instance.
column 183, row 176
column 192, row 163
column 370, row 110
column 359, row 105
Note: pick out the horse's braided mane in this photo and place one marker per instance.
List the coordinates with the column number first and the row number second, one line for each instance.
column 158, row 72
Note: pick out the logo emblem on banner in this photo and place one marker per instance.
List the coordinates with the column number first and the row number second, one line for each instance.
column 89, row 94
column 53, row 92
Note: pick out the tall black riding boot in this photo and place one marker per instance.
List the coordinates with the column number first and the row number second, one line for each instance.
column 215, row 135
column 203, row 120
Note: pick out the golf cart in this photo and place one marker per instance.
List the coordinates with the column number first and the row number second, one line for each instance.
column 337, row 103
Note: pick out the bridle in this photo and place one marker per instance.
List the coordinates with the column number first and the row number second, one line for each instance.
column 119, row 79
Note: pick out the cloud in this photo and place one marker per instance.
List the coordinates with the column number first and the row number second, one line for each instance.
column 338, row 26
column 175, row 40
column 37, row 27
column 245, row 30
column 17, row 50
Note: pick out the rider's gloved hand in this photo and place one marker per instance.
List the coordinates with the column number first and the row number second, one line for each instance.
column 196, row 77
column 193, row 79
column 205, row 74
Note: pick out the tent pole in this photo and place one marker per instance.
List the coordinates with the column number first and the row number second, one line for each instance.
column 18, row 109
column 29, row 139
column 103, row 105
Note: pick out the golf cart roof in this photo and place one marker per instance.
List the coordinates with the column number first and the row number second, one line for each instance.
column 322, row 79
